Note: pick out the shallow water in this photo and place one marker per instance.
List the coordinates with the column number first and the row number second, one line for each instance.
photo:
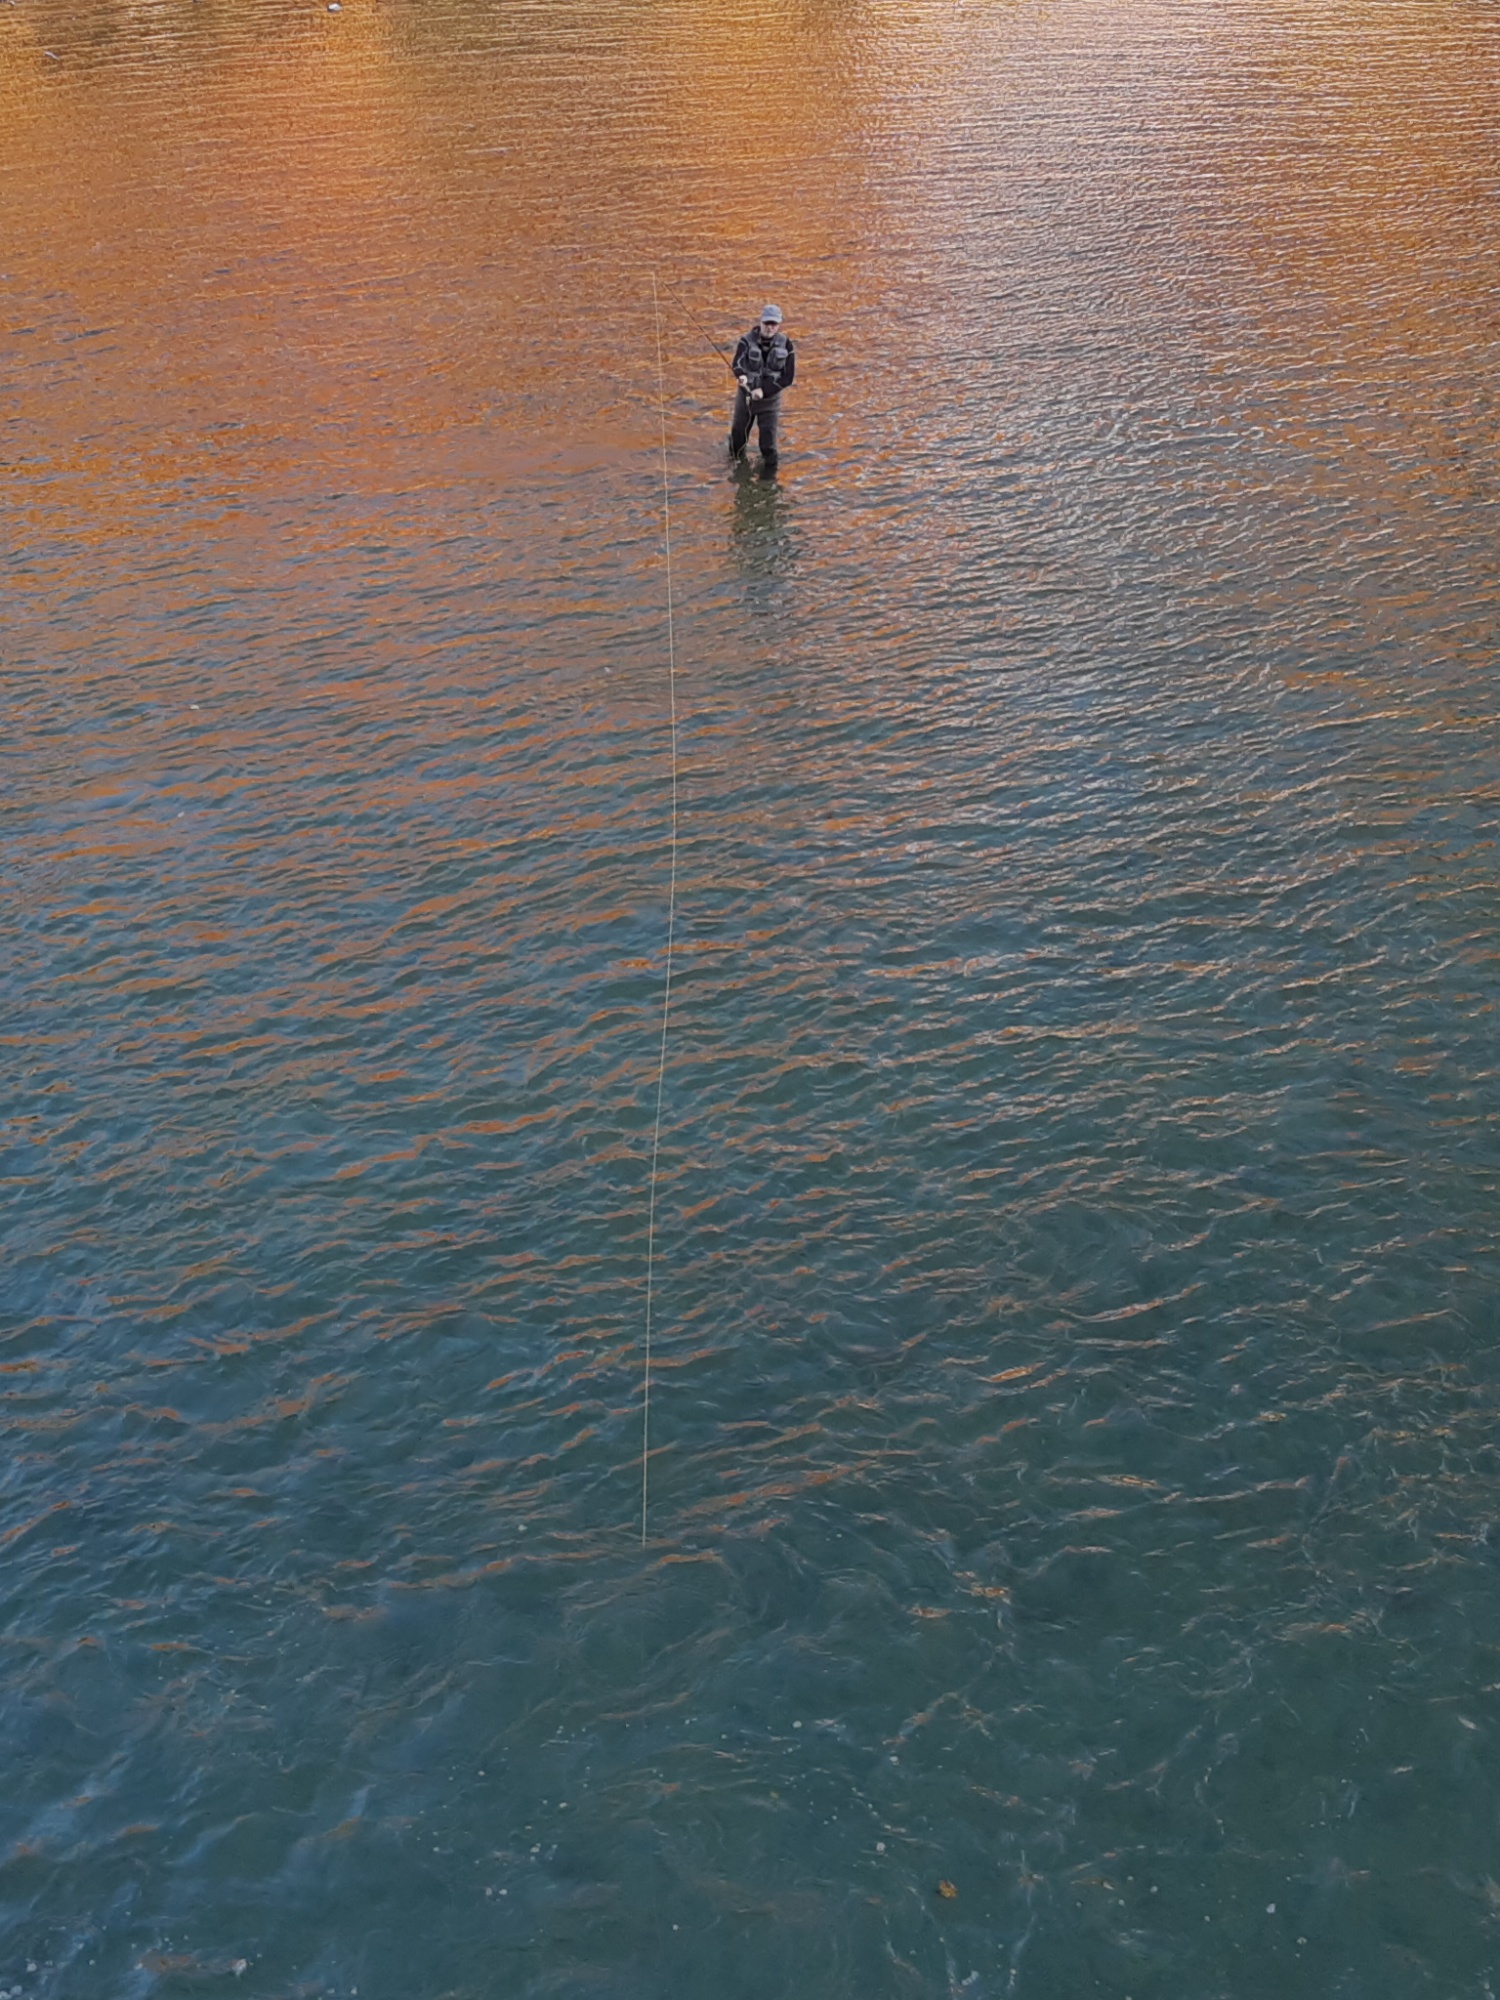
column 1075, row 1326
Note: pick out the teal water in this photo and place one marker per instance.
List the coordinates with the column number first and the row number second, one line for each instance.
column 1075, row 1375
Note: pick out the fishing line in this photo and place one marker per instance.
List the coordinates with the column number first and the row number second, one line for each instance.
column 666, row 1000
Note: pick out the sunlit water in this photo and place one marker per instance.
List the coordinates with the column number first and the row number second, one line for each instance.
column 1075, row 1291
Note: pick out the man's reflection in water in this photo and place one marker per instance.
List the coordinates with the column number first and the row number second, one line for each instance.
column 761, row 527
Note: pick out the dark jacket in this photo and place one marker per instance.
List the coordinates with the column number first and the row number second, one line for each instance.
column 770, row 365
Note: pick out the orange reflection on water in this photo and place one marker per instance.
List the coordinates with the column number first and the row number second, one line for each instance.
column 302, row 289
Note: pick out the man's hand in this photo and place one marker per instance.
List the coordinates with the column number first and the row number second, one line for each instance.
column 756, row 394
column 744, row 381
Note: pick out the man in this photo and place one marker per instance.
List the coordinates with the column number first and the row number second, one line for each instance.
column 765, row 363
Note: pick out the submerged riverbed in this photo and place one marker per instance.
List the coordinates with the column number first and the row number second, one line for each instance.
column 1075, row 1329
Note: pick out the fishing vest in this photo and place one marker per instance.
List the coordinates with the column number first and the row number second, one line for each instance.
column 765, row 361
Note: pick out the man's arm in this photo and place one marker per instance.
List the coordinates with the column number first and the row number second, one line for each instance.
column 789, row 373
column 742, row 358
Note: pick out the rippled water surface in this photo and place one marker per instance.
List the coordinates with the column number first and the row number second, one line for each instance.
column 1074, row 1390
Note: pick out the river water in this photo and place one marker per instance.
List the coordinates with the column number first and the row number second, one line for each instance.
column 1070, row 1564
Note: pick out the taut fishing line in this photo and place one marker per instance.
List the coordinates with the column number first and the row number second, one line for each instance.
column 666, row 1001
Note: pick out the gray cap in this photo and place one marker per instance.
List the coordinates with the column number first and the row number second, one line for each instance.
column 771, row 312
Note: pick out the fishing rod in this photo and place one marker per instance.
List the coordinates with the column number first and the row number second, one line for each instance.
column 728, row 363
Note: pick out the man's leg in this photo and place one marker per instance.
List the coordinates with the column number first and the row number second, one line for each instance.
column 769, row 415
column 739, row 429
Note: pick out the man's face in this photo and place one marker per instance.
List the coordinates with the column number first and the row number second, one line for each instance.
column 769, row 327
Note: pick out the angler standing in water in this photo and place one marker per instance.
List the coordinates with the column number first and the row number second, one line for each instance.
column 765, row 363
